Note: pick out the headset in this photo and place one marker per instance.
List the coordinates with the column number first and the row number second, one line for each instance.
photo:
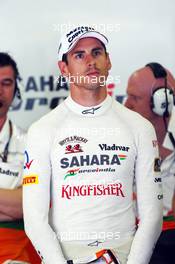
column 162, row 98
column 17, row 94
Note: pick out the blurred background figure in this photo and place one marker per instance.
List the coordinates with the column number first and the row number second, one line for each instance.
column 13, row 241
column 150, row 92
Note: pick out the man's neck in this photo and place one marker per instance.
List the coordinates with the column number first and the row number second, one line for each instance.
column 2, row 122
column 87, row 97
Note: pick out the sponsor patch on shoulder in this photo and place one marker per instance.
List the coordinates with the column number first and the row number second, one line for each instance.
column 157, row 163
column 30, row 179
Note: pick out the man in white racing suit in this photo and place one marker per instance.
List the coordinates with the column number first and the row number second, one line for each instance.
column 83, row 158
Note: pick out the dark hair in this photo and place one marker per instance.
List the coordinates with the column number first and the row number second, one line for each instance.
column 64, row 58
column 7, row 60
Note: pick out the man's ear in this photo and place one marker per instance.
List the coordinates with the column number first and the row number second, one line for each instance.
column 63, row 68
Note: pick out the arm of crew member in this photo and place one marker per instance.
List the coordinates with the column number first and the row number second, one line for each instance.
column 5, row 218
column 149, row 198
column 11, row 204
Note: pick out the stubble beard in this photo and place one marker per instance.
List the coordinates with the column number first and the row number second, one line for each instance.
column 91, row 83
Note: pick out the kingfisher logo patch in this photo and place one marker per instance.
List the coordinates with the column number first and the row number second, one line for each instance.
column 71, row 191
